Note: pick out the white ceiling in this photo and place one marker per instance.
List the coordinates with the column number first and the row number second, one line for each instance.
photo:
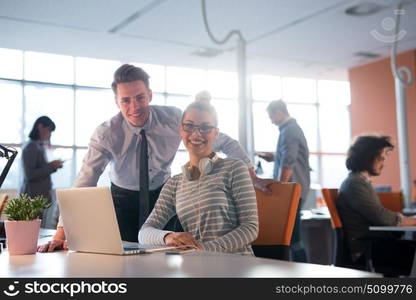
column 308, row 38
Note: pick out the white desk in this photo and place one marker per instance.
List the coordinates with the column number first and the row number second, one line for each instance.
column 393, row 228
column 63, row 264
column 399, row 228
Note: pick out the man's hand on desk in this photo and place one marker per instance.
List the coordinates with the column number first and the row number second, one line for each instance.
column 406, row 221
column 53, row 245
column 58, row 242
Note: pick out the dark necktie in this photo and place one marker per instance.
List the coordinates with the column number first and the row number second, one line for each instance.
column 144, row 180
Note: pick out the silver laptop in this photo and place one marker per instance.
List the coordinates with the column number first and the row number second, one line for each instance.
column 91, row 225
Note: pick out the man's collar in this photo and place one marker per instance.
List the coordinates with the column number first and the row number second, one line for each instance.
column 285, row 123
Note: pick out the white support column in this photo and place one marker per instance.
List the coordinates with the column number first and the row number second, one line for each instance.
column 245, row 123
column 405, row 178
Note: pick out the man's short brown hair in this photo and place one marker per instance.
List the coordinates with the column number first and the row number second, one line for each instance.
column 129, row 73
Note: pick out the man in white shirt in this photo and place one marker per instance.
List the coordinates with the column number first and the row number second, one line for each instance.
column 119, row 141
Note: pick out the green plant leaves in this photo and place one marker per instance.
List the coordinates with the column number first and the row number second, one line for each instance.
column 26, row 208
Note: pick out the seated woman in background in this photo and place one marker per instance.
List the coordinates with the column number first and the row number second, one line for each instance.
column 359, row 206
column 213, row 198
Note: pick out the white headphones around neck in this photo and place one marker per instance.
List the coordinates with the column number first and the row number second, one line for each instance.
column 205, row 166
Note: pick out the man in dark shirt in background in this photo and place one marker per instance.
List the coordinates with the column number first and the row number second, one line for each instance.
column 359, row 206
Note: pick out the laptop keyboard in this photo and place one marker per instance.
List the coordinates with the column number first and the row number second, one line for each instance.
column 131, row 248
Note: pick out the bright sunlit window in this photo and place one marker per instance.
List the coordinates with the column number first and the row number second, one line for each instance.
column 222, row 84
column 300, row 90
column 185, row 81
column 75, row 92
column 321, row 108
column 47, row 67
column 266, row 87
column 10, row 107
column 54, row 102
column 92, row 107
column 11, row 63
column 157, row 81
column 95, row 72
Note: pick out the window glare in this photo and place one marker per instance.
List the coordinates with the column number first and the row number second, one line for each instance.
column 57, row 104
column 75, row 92
column 223, row 84
column 157, row 76
column 299, row 90
column 95, row 72
column 62, row 178
column 185, row 80
column 266, row 87
column 333, row 170
column 334, row 92
column 265, row 133
column 158, row 99
column 226, row 124
column 302, row 96
column 11, row 63
column 10, row 115
column 87, row 101
column 335, row 128
column 49, row 67
column 179, row 101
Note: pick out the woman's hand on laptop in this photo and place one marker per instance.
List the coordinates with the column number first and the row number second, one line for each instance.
column 53, row 245
column 181, row 239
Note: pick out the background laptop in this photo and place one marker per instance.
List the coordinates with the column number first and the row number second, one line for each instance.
column 91, row 225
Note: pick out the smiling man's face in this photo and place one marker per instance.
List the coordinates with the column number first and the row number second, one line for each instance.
column 133, row 99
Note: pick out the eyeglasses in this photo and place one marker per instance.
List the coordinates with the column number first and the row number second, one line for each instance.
column 204, row 128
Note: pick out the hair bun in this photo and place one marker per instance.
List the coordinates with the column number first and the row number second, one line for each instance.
column 203, row 96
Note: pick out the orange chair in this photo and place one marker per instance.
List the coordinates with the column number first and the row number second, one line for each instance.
column 277, row 214
column 329, row 196
column 392, row 201
column 341, row 252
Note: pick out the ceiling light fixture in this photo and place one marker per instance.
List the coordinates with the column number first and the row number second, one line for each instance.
column 364, row 9
column 367, row 54
column 207, row 52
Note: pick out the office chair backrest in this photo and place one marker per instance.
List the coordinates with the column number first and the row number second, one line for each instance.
column 330, row 195
column 391, row 200
column 277, row 213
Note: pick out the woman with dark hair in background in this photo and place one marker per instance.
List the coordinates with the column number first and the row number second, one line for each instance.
column 36, row 169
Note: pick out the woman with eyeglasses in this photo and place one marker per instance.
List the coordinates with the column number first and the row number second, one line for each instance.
column 213, row 198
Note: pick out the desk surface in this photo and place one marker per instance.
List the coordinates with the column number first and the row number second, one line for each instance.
column 393, row 228
column 196, row 264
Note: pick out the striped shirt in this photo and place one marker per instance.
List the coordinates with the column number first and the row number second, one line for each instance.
column 218, row 209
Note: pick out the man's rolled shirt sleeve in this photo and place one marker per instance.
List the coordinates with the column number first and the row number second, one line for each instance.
column 230, row 147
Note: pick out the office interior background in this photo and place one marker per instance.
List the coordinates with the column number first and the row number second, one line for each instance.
column 326, row 58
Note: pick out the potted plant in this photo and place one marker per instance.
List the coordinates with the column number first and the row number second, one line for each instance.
column 22, row 226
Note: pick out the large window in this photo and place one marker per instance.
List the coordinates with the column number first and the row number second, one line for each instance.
column 321, row 108
column 75, row 92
